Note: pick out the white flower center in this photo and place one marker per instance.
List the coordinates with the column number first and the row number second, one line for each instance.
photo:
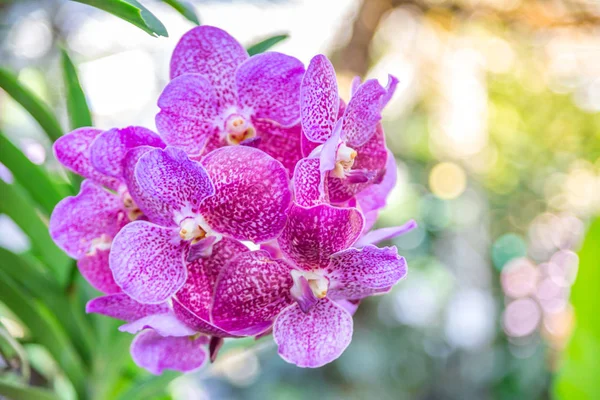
column 318, row 284
column 238, row 129
column 344, row 161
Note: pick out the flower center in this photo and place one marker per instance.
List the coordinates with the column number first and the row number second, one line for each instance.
column 344, row 160
column 132, row 210
column 238, row 129
column 100, row 243
column 317, row 284
column 191, row 230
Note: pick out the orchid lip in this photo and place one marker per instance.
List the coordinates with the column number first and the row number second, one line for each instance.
column 130, row 207
column 309, row 284
column 344, row 161
column 238, row 129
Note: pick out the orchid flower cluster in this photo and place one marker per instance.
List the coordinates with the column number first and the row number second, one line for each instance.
column 251, row 153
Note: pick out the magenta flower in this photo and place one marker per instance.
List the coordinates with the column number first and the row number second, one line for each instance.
column 311, row 294
column 84, row 225
column 219, row 96
column 351, row 146
column 239, row 192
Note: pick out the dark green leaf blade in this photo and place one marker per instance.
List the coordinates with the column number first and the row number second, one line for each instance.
column 33, row 178
column 34, row 106
column 266, row 44
column 77, row 107
column 21, row 392
column 184, row 8
column 132, row 12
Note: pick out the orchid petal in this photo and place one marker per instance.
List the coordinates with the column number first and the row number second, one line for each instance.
column 212, row 53
column 358, row 273
column 147, row 262
column 94, row 268
column 165, row 324
column 188, row 113
column 121, row 306
column 155, row 353
column 198, row 324
column 390, row 89
column 308, row 183
column 382, row 234
column 202, row 248
column 251, row 290
column 251, row 194
column 281, row 143
column 319, row 100
column 73, row 151
column 170, row 184
column 329, row 150
column 349, row 305
column 269, row 85
column 312, row 235
column 78, row 221
column 363, row 113
column 315, row 338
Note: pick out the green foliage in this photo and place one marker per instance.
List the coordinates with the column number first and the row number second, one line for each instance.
column 77, row 107
column 266, row 44
column 132, row 12
column 578, row 377
column 184, row 8
column 16, row 391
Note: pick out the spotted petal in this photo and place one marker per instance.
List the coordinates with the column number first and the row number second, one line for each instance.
column 250, row 292
column 155, row 353
column 189, row 113
column 94, row 268
column 269, row 85
column 212, row 53
column 108, row 150
column 312, row 235
column 363, row 113
column 308, row 183
column 73, row 151
column 281, row 143
column 358, row 273
column 165, row 324
column 78, row 221
column 315, row 338
column 169, row 184
column 379, row 235
column 147, row 262
column 121, row 306
column 251, row 194
column 319, row 100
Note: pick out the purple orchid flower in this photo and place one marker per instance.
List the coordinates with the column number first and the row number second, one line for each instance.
column 220, row 96
column 162, row 341
column 311, row 294
column 239, row 192
column 351, row 147
column 84, row 225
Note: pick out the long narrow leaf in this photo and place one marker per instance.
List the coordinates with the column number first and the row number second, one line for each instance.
column 184, row 8
column 18, row 206
column 151, row 386
column 34, row 106
column 33, row 178
column 132, row 12
column 266, row 44
column 77, row 107
column 45, row 330
column 20, row 392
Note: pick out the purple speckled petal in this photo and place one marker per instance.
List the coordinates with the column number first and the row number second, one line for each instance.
column 349, row 305
column 319, row 100
column 165, row 324
column 315, row 338
column 363, row 113
column 390, row 89
column 197, row 292
column 312, row 235
column 356, row 82
column 155, row 353
column 198, row 324
column 269, row 85
column 374, row 197
column 308, row 183
column 358, row 273
column 283, row 144
column 251, row 194
column 168, row 184
column 212, row 53
column 189, row 111
column 382, row 234
column 109, row 149
column 94, row 268
column 251, row 290
column 147, row 261
column 121, row 306
column 73, row 151
column 372, row 156
column 77, row 222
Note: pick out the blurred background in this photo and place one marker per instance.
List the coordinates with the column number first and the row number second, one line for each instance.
column 496, row 129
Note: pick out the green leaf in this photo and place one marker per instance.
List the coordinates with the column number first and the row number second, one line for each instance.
column 266, row 44
column 149, row 387
column 184, row 8
column 18, row 206
column 44, row 330
column 132, row 12
column 77, row 107
column 21, row 392
column 578, row 377
column 33, row 178
column 34, row 105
